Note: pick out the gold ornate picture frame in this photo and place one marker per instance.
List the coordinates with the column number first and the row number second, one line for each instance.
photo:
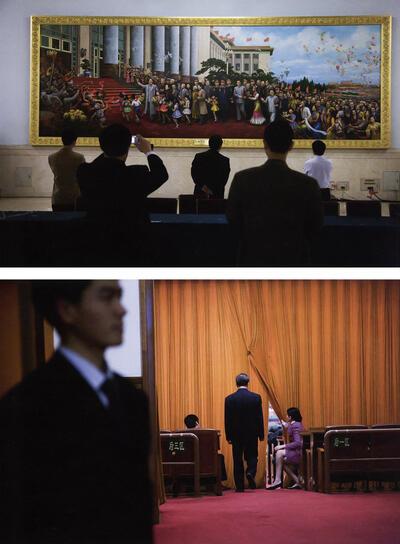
column 176, row 81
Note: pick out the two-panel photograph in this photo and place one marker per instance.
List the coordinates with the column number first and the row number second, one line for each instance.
column 199, row 272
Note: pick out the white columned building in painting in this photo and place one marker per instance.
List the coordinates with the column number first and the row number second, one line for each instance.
column 176, row 50
column 180, row 50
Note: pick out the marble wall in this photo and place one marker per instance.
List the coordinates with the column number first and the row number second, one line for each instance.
column 25, row 172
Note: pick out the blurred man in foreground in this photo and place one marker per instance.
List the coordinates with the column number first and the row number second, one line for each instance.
column 75, row 436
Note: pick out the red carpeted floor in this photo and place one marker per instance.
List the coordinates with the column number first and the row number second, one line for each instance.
column 281, row 517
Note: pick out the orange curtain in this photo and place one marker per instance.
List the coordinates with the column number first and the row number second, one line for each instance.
column 333, row 349
column 199, row 349
column 330, row 347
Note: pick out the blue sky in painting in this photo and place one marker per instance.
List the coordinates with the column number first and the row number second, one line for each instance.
column 322, row 53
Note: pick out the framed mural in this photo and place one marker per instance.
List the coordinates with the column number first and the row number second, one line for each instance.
column 178, row 80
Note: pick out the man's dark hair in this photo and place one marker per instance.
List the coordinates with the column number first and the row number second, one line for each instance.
column 294, row 413
column 46, row 293
column 191, row 420
column 318, row 147
column 68, row 136
column 242, row 379
column 215, row 142
column 115, row 140
column 279, row 135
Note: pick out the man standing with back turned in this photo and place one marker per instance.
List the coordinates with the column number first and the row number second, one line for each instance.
column 210, row 170
column 64, row 165
column 274, row 211
column 111, row 187
column 320, row 168
column 244, row 425
column 75, row 436
column 114, row 195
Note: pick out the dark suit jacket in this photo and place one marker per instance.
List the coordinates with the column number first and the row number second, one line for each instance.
column 243, row 416
column 110, row 187
column 212, row 169
column 69, row 472
column 275, row 211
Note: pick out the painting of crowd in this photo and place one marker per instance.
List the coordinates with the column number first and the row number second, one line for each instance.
column 313, row 110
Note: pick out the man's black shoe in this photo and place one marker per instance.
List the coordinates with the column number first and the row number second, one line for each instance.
column 250, row 479
column 239, row 490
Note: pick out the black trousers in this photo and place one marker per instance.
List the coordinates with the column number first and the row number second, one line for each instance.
column 221, row 459
column 249, row 450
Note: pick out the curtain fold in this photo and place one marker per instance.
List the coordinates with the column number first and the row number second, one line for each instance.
column 329, row 347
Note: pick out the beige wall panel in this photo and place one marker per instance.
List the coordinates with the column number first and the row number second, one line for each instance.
column 348, row 165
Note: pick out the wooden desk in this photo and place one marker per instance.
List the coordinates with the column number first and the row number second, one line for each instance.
column 179, row 464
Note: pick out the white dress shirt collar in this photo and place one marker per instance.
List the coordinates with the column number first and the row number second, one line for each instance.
column 90, row 373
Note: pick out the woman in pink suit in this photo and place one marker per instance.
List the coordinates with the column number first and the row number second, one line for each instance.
column 290, row 453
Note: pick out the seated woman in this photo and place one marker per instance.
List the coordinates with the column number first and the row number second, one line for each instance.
column 290, row 453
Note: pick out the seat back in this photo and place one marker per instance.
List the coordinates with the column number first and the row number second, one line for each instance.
column 385, row 455
column 187, row 204
column 177, row 447
column 394, row 209
column 330, row 207
column 179, row 452
column 208, row 451
column 212, row 205
column 347, row 454
column 385, row 443
column 362, row 454
column 386, row 426
column 363, row 208
column 339, row 427
column 161, row 205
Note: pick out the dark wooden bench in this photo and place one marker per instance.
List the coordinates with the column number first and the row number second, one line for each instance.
column 313, row 455
column 178, row 460
column 180, row 454
column 320, row 481
column 361, row 455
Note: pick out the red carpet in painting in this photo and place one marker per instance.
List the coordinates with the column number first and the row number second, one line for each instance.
column 147, row 128
column 281, row 517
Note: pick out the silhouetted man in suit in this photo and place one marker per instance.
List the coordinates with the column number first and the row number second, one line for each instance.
column 114, row 195
column 274, row 210
column 210, row 170
column 110, row 187
column 75, row 436
column 244, row 426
